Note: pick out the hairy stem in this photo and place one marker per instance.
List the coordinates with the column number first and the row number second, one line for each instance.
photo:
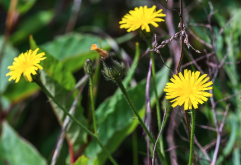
column 75, row 120
column 192, row 139
column 127, row 97
column 92, row 103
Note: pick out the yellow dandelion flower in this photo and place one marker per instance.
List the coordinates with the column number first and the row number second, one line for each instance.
column 26, row 64
column 188, row 89
column 141, row 17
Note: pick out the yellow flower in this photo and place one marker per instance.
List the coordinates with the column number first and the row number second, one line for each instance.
column 141, row 17
column 26, row 64
column 188, row 89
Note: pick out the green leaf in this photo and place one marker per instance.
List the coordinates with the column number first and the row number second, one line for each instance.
column 17, row 151
column 55, row 69
column 76, row 134
column 231, row 140
column 116, row 120
column 9, row 54
column 17, row 92
column 59, row 81
column 31, row 25
column 82, row 160
column 236, row 156
column 73, row 49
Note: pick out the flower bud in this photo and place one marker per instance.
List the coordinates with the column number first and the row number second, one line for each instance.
column 112, row 69
column 89, row 67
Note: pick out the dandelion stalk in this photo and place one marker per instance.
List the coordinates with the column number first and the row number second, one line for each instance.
column 75, row 120
column 92, row 103
column 127, row 97
column 192, row 137
column 90, row 70
column 188, row 90
column 156, row 95
column 113, row 70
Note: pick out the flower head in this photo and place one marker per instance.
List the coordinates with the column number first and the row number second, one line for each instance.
column 26, row 64
column 89, row 67
column 141, row 17
column 188, row 89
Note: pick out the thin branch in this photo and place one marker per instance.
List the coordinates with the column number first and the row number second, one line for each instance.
column 223, row 60
column 222, row 29
column 200, row 24
column 199, row 39
column 219, row 131
column 182, row 137
column 63, row 130
column 217, row 128
column 158, row 136
column 224, row 117
column 182, row 37
column 170, row 133
column 231, row 63
column 148, row 108
column 202, row 149
column 206, row 127
column 194, row 62
column 74, row 15
column 198, row 59
column 226, row 98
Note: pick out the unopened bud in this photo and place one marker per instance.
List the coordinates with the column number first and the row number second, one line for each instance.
column 89, row 67
column 112, row 69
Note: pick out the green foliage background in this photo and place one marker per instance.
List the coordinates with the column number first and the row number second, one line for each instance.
column 30, row 125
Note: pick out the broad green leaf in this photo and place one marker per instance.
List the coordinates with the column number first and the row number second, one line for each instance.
column 114, row 117
column 76, row 135
column 73, row 49
column 9, row 54
column 82, row 160
column 55, row 69
column 17, row 151
column 59, row 81
column 22, row 7
column 31, row 25
column 17, row 92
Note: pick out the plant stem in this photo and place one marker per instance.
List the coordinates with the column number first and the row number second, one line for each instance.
column 156, row 95
column 127, row 97
column 92, row 103
column 75, row 120
column 192, row 138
